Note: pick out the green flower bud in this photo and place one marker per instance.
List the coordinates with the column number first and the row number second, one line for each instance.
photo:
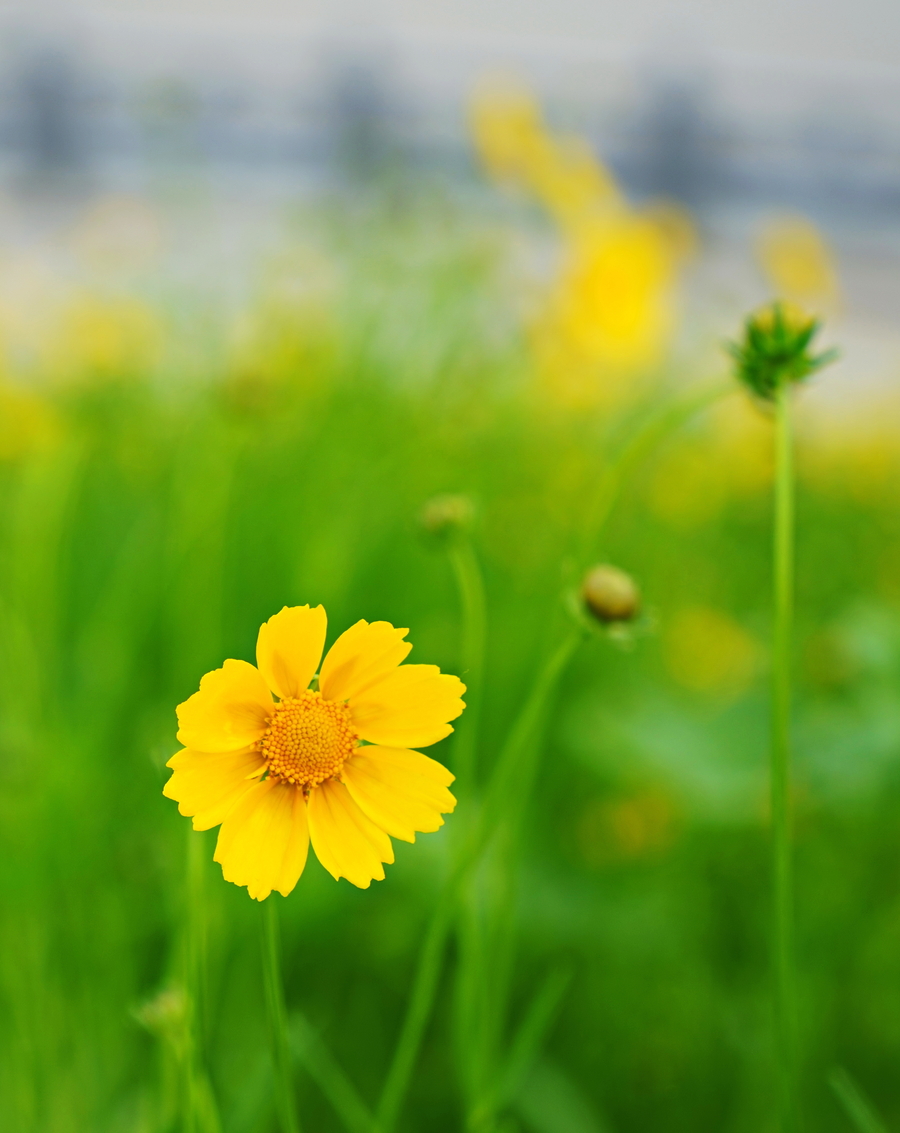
column 774, row 349
column 446, row 514
column 610, row 594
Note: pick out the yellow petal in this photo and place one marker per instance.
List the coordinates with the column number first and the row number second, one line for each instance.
column 209, row 785
column 402, row 791
column 410, row 707
column 289, row 648
column 347, row 843
column 363, row 654
column 263, row 843
column 229, row 712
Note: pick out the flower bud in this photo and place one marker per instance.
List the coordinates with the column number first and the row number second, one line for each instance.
column 164, row 1012
column 774, row 349
column 443, row 515
column 610, row 594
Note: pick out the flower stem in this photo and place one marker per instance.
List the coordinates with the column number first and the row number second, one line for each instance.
column 640, row 444
column 782, row 861
column 418, row 1012
column 470, row 586
column 285, row 1100
column 200, row 1111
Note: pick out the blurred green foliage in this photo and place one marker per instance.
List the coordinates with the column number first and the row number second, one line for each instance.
column 153, row 515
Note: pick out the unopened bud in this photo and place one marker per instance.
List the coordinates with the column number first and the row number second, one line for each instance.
column 443, row 515
column 165, row 1011
column 775, row 349
column 610, row 594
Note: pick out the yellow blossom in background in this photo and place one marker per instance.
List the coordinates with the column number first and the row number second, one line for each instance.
column 331, row 765
column 104, row 337
column 798, row 263
column 732, row 458
column 609, row 311
column 706, row 650
column 855, row 453
column 516, row 147
column 288, row 334
column 27, row 422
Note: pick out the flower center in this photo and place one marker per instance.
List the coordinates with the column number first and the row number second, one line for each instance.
column 308, row 739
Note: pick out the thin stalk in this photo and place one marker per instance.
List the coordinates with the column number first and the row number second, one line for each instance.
column 486, row 957
column 516, row 766
column 856, row 1105
column 473, row 616
column 331, row 1079
column 470, row 587
column 418, row 1012
column 467, row 856
column 285, row 1100
column 782, row 859
column 200, row 1110
column 640, row 444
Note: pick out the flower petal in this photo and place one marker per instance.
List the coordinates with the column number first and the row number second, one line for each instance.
column 409, row 707
column 347, row 843
column 230, row 711
column 264, row 841
column 363, row 654
column 402, row 791
column 289, row 648
column 209, row 785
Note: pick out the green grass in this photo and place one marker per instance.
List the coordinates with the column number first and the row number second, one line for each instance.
column 607, row 969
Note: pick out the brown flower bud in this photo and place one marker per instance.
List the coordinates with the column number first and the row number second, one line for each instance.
column 443, row 515
column 610, row 594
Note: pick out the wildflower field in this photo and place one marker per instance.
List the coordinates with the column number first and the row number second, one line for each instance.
column 440, row 411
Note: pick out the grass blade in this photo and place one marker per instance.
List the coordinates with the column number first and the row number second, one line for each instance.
column 856, row 1105
column 328, row 1075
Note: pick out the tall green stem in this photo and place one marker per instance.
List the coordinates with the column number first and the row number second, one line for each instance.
column 473, row 615
column 782, row 861
column 470, row 586
column 200, row 1111
column 285, row 1100
column 640, row 444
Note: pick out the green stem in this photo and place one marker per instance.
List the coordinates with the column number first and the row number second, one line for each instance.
column 516, row 766
column 637, row 448
column 487, row 952
column 285, row 1099
column 468, row 852
column 418, row 1012
column 782, row 862
column 200, row 1110
column 470, row 586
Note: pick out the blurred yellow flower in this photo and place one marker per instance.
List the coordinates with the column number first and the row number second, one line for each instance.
column 105, row 337
column 609, row 312
column 797, row 262
column 27, row 422
column 516, row 147
column 854, row 453
column 331, row 765
column 706, row 650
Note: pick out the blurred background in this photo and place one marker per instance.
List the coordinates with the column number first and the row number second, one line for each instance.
column 272, row 276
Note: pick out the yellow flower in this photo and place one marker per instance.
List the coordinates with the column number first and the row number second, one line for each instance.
column 277, row 774
column 516, row 147
column 798, row 263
